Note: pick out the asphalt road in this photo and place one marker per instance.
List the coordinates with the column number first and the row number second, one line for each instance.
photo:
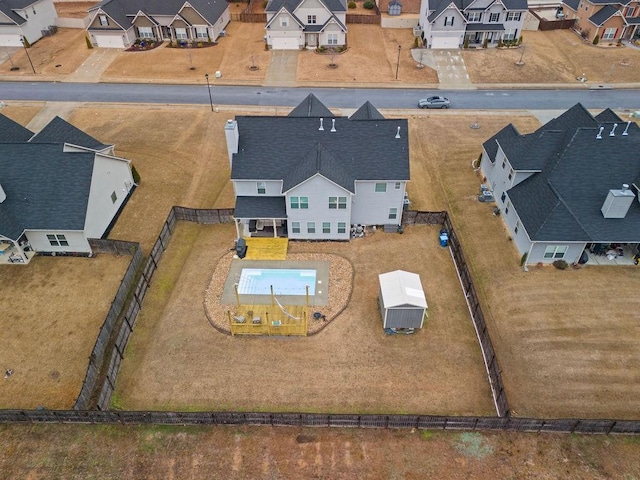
column 332, row 97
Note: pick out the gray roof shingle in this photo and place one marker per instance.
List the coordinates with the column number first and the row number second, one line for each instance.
column 46, row 188
column 563, row 202
column 260, row 207
column 602, row 15
column 321, row 161
column 367, row 112
column 61, row 131
column 13, row 132
column 311, row 107
column 332, row 5
column 608, row 116
column 272, row 148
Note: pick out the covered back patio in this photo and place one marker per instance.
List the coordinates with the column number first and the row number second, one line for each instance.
column 260, row 217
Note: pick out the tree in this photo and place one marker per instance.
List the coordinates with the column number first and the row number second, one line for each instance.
column 596, row 39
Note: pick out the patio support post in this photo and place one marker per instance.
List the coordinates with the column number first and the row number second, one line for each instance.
column 275, row 229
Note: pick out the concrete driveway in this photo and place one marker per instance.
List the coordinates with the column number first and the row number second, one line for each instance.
column 452, row 72
column 282, row 68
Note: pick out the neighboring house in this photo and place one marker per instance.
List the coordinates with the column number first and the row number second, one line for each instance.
column 294, row 24
column 610, row 20
column 571, row 183
column 58, row 188
column 27, row 19
column 118, row 23
column 448, row 23
column 312, row 175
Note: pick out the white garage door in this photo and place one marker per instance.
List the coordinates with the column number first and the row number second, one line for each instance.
column 10, row 40
column 445, row 42
column 284, row 44
column 109, row 41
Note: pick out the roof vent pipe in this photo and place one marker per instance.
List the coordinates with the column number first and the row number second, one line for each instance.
column 321, row 127
column 625, row 187
column 626, row 130
column 333, row 124
column 398, row 133
column 612, row 133
column 599, row 135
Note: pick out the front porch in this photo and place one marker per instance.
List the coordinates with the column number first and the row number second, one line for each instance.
column 476, row 35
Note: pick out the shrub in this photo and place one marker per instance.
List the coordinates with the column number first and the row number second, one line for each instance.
column 264, row 4
column 368, row 5
column 520, row 40
column 89, row 44
column 560, row 264
column 320, row 49
column 523, row 260
column 466, row 43
column 415, row 42
column 485, row 43
column 500, row 43
column 135, row 175
column 352, row 5
column 596, row 39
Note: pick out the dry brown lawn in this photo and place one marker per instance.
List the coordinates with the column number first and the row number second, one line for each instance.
column 236, row 453
column 50, row 315
column 567, row 341
column 60, row 54
column 233, row 56
column 177, row 360
column 558, row 56
column 73, row 9
column 372, row 56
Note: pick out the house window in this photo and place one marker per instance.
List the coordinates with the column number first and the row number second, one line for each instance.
column 337, row 203
column 284, row 21
column 34, row 10
column 448, row 21
column 332, row 39
column 511, row 172
column 503, row 197
column 326, row 227
column 311, row 227
column 145, row 32
column 510, row 34
column 295, row 227
column 202, row 32
column 630, row 11
column 609, row 33
column 26, row 14
column 104, row 21
column 506, row 210
column 114, row 197
column 397, row 186
column 299, row 202
column 554, row 251
column 381, row 187
column 181, row 33
column 474, row 16
column 57, row 240
column 262, row 188
column 513, row 16
column 504, row 163
column 515, row 230
column 311, row 19
column 494, row 17
column 342, row 227
column 393, row 213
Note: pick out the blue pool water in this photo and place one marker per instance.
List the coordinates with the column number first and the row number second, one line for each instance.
column 258, row 281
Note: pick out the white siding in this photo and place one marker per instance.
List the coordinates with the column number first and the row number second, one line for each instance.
column 109, row 175
column 318, row 189
column 312, row 7
column 40, row 243
column 372, row 208
column 249, row 188
column 44, row 17
column 572, row 255
column 220, row 25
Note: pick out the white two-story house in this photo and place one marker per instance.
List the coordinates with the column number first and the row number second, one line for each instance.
column 26, row 20
column 294, row 24
column 448, row 23
column 312, row 175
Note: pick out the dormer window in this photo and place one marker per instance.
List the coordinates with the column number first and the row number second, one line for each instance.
column 284, row 21
column 104, row 21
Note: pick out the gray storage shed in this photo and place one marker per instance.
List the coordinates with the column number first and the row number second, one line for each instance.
column 402, row 300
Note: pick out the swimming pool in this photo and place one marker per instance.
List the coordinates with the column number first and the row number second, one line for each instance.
column 285, row 281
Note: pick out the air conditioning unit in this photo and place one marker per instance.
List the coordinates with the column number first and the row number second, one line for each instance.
column 417, row 31
column 223, row 33
column 485, row 196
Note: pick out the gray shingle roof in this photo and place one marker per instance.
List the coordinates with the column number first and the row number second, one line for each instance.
column 271, row 148
column 332, row 5
column 438, row 6
column 46, row 188
column 608, row 115
column 8, row 6
column 13, row 132
column 260, row 207
column 311, row 107
column 572, row 4
column 122, row 11
column 602, row 15
column 367, row 112
column 321, row 161
column 563, row 202
column 61, row 131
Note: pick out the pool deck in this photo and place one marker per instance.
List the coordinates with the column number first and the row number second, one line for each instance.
column 320, row 298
